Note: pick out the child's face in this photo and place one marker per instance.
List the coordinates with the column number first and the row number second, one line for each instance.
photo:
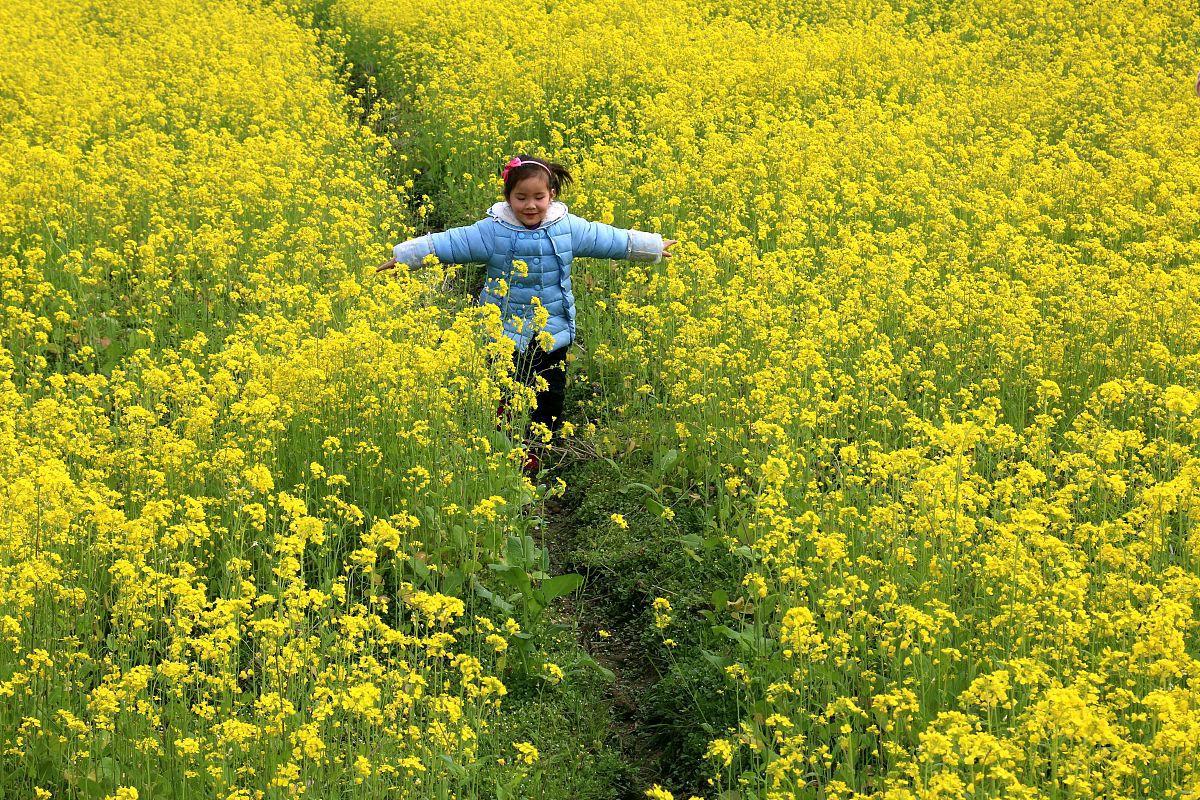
column 530, row 198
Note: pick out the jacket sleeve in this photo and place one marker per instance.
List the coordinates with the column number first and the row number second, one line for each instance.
column 598, row 240
column 463, row 245
column 413, row 252
column 467, row 244
column 645, row 246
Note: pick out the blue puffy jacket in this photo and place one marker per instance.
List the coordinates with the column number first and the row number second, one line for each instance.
column 547, row 250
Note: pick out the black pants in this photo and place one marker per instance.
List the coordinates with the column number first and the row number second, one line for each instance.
column 552, row 366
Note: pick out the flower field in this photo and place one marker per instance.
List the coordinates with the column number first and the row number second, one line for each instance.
column 914, row 409
column 230, row 458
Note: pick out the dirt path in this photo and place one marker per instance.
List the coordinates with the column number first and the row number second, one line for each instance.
column 609, row 628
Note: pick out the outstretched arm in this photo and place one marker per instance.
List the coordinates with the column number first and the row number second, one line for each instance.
column 645, row 246
column 410, row 253
column 599, row 240
column 466, row 244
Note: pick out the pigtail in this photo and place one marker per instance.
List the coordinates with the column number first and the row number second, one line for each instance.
column 562, row 177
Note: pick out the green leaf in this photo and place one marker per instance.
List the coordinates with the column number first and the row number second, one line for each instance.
column 456, row 769
column 523, row 642
column 515, row 577
column 653, row 506
column 743, row 638
column 488, row 595
column 718, row 661
column 515, row 551
column 691, row 543
column 746, row 553
column 491, row 540
column 668, row 461
column 607, row 673
column 452, row 580
column 560, row 585
column 500, row 441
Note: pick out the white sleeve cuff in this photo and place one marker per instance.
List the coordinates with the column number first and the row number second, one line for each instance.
column 645, row 246
column 413, row 252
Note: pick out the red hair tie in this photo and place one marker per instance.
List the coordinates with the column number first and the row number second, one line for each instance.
column 515, row 162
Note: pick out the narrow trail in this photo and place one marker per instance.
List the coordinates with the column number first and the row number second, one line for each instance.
column 610, row 628
column 609, row 623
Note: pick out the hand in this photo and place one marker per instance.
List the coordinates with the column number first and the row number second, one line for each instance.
column 666, row 246
column 389, row 264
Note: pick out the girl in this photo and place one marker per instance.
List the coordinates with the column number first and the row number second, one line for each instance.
column 528, row 242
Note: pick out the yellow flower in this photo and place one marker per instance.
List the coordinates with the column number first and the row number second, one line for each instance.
column 526, row 753
column 1180, row 400
column 721, row 751
column 662, row 613
column 259, row 478
column 553, row 673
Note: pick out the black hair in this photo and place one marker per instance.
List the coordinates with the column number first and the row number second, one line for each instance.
column 559, row 177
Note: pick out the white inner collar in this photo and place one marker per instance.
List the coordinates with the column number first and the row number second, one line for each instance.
column 503, row 211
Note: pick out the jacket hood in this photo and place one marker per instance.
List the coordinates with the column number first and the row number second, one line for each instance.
column 503, row 212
